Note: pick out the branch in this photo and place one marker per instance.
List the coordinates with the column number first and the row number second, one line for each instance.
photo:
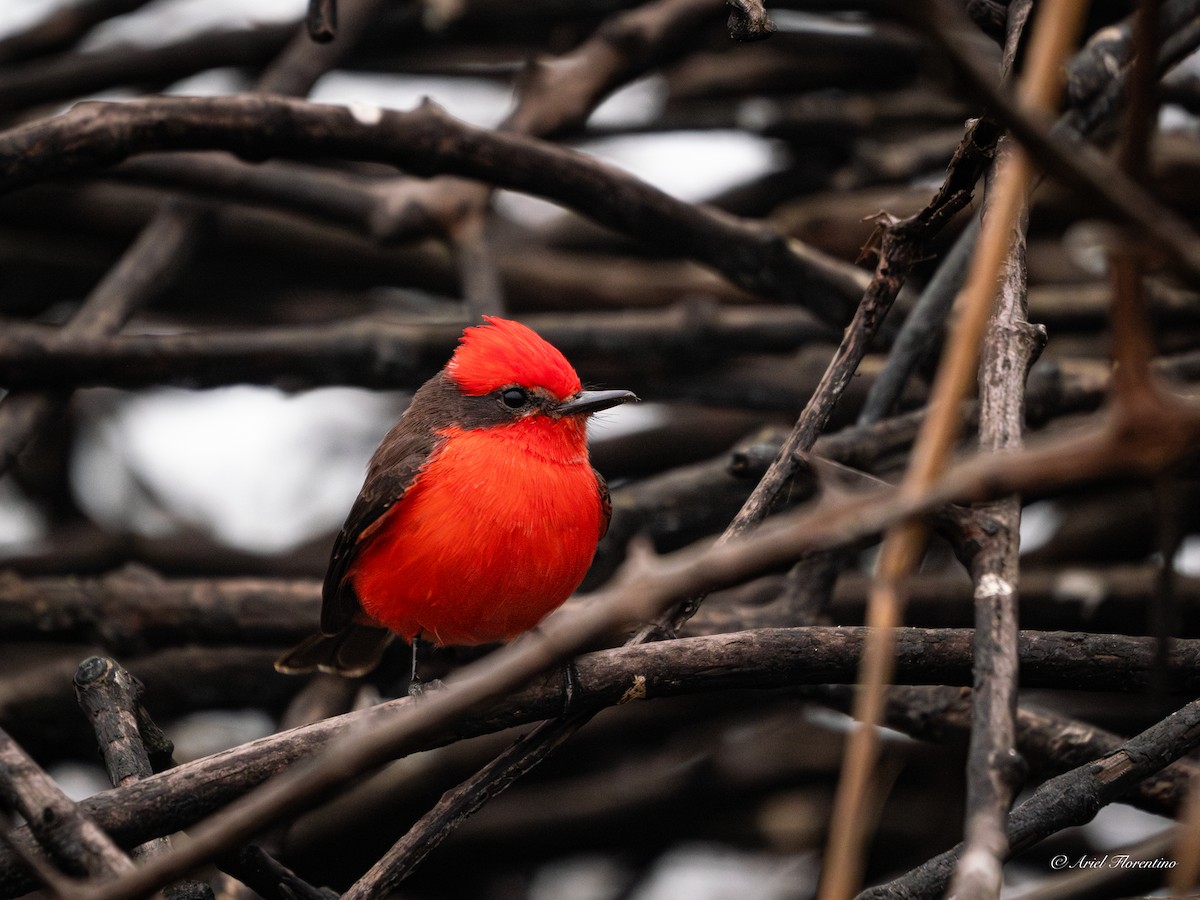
column 61, row 28
column 321, row 20
column 161, row 250
column 903, row 545
column 1070, row 799
column 1051, row 742
column 558, row 94
column 994, row 770
column 761, row 659
column 69, row 835
column 749, row 20
column 133, row 608
column 63, row 77
column 380, row 351
column 1070, row 160
column 110, row 697
column 426, row 141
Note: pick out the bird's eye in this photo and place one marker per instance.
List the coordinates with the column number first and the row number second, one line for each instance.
column 515, row 397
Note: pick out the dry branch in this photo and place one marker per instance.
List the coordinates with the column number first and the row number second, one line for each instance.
column 68, row 835
column 993, row 770
column 427, row 141
column 61, row 28
column 130, row 610
column 1049, row 742
column 1073, row 798
column 381, row 352
column 903, row 545
column 160, row 252
column 770, row 658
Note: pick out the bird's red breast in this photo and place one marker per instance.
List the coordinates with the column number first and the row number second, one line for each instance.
column 495, row 532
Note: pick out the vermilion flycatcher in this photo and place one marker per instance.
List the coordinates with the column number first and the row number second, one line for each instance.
column 480, row 511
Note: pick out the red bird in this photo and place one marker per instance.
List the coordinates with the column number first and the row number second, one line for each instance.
column 480, row 512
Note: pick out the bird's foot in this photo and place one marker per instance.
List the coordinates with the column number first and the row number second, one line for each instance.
column 418, row 689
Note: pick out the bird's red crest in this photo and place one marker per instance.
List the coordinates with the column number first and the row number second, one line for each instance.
column 503, row 352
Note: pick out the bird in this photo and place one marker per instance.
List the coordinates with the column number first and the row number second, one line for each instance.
column 480, row 511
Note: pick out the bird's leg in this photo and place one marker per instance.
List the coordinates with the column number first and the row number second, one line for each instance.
column 571, row 686
column 416, row 687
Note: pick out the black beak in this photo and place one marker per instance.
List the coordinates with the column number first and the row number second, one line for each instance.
column 587, row 402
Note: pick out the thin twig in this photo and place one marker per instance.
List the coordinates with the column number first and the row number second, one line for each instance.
column 902, row 546
column 993, row 767
column 321, row 20
column 1073, row 798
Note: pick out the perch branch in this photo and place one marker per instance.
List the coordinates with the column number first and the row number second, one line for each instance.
column 761, row 659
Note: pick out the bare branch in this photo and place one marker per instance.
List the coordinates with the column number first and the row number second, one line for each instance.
column 768, row 658
column 69, row 835
column 1073, row 798
column 426, row 141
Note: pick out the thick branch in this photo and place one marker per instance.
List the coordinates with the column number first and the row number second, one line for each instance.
column 381, row 352
column 426, row 141
column 70, row 835
column 769, row 658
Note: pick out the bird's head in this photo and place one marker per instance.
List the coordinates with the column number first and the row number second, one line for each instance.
column 523, row 375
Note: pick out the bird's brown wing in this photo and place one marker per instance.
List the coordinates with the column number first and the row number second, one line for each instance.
column 392, row 471
column 346, row 645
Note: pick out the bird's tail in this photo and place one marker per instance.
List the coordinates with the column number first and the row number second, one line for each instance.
column 352, row 652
